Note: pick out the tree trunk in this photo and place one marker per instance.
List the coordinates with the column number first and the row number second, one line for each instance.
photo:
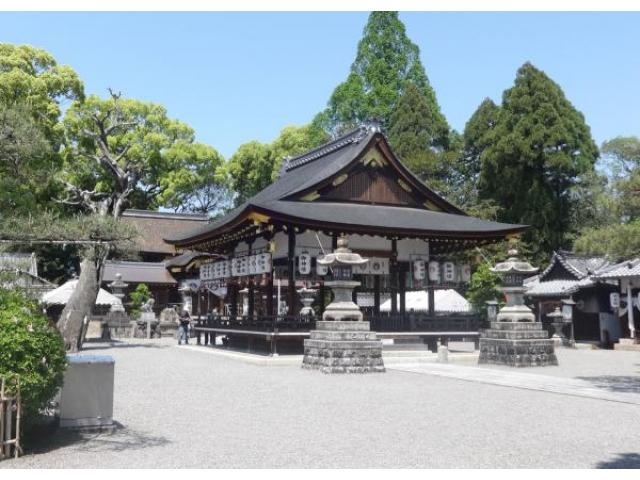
column 72, row 320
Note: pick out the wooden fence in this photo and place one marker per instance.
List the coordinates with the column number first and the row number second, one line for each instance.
column 10, row 410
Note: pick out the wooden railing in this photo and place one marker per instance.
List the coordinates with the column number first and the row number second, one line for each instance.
column 382, row 323
column 10, row 410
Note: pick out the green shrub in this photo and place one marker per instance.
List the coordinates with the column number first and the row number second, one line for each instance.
column 31, row 348
column 138, row 297
column 482, row 288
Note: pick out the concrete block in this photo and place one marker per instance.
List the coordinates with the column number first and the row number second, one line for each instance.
column 86, row 400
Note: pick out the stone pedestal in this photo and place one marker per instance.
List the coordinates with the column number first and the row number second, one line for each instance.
column 516, row 344
column 343, row 347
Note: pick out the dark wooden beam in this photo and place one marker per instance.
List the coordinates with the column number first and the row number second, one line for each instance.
column 291, row 265
column 393, row 276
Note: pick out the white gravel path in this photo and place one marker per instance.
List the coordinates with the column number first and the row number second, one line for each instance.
column 184, row 407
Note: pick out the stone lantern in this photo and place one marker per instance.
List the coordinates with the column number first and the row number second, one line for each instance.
column 342, row 341
column 557, row 323
column 515, row 338
column 117, row 290
column 341, row 263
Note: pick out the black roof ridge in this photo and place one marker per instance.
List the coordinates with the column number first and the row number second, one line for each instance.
column 139, row 213
column 354, row 136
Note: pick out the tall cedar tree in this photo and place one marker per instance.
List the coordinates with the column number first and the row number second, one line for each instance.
column 385, row 63
column 414, row 133
column 539, row 148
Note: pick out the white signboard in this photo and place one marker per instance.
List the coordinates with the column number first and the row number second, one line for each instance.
column 434, row 272
column 375, row 266
column 304, row 264
column 237, row 267
column 449, row 271
column 419, row 272
column 614, row 300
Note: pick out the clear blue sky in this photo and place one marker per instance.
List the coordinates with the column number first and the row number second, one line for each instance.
column 236, row 77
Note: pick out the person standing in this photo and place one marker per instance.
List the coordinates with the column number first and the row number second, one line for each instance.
column 183, row 330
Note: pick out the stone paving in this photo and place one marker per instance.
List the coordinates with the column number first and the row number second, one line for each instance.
column 187, row 407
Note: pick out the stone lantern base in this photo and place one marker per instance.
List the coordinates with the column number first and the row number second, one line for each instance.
column 343, row 347
column 517, row 344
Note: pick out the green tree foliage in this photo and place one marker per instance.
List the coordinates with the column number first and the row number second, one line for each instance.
column 477, row 136
column 31, row 348
column 124, row 152
column 25, row 175
column 622, row 157
column 482, row 288
column 618, row 241
column 539, row 149
column 386, row 63
column 415, row 135
column 138, row 297
column 255, row 165
column 32, row 77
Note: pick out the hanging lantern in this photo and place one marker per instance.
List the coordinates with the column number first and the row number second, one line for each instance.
column 304, row 263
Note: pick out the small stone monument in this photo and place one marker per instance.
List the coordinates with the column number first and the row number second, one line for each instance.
column 169, row 321
column 515, row 338
column 117, row 319
column 342, row 341
column 147, row 318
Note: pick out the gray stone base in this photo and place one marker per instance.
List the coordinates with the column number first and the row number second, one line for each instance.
column 517, row 344
column 343, row 347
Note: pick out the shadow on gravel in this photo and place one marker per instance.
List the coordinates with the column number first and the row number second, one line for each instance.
column 120, row 439
column 623, row 460
column 615, row 383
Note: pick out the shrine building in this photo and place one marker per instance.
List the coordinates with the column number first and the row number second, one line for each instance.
column 353, row 186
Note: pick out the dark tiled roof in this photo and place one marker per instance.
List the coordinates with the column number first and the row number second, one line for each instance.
column 626, row 269
column 580, row 266
column 153, row 227
column 397, row 218
column 138, row 272
column 306, row 171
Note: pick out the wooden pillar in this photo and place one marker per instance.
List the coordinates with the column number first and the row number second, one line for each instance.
column 376, row 295
column 291, row 278
column 250, row 288
column 321, row 294
column 431, row 297
column 270, row 309
column 393, row 276
column 233, row 294
column 402, row 281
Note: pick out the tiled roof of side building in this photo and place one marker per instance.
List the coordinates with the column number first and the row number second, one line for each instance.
column 153, row 227
column 138, row 272
column 626, row 269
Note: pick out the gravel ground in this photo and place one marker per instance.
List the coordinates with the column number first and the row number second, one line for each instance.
column 181, row 407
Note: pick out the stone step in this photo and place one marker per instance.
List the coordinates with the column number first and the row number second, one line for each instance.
column 524, row 326
column 337, row 326
column 515, row 335
column 342, row 335
column 343, row 345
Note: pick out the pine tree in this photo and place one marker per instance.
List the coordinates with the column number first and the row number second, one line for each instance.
column 386, row 62
column 539, row 148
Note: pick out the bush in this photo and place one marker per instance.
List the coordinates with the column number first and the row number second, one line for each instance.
column 31, row 348
column 138, row 297
column 482, row 288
